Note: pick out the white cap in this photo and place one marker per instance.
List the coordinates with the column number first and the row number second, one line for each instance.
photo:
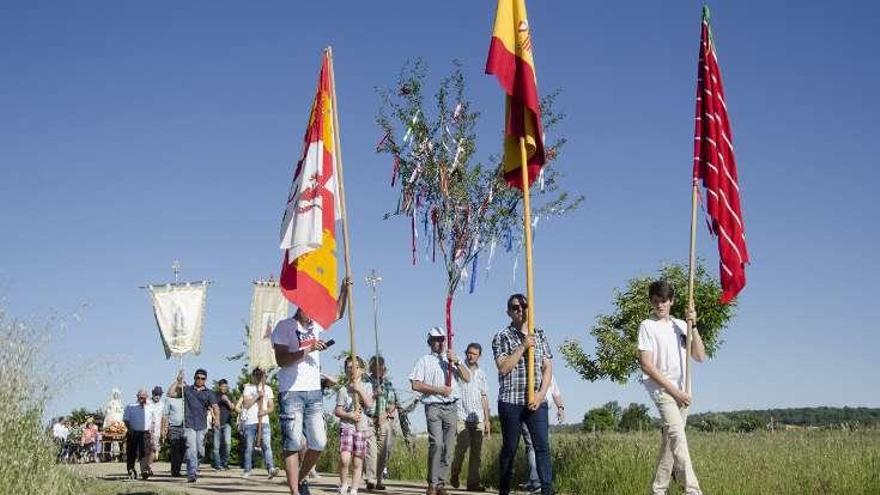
column 436, row 332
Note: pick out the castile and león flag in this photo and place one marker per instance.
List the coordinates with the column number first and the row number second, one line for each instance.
column 308, row 227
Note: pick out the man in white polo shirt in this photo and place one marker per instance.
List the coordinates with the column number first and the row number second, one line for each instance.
column 429, row 379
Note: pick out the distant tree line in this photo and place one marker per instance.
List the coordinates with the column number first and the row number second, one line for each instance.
column 790, row 418
column 635, row 417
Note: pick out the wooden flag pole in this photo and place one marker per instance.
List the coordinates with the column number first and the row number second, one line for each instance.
column 530, row 288
column 692, row 266
column 337, row 154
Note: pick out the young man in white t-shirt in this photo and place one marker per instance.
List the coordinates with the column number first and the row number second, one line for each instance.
column 297, row 343
column 662, row 357
column 256, row 405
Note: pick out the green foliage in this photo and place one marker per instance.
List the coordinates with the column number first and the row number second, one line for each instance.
column 798, row 417
column 603, row 418
column 635, row 418
column 459, row 203
column 27, row 453
column 616, row 334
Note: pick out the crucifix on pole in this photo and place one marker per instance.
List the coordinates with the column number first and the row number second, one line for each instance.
column 373, row 280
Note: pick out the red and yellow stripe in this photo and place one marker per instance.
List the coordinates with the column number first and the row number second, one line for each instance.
column 512, row 62
column 310, row 281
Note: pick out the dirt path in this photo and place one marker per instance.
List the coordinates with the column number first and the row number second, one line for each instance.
column 231, row 483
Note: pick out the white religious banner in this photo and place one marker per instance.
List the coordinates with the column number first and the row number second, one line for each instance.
column 180, row 314
column 268, row 307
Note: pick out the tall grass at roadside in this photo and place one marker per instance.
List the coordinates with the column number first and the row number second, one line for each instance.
column 27, row 455
column 783, row 462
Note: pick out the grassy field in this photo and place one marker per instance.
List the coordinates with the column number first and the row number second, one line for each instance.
column 787, row 462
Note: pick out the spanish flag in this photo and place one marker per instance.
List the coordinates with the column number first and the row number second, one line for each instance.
column 308, row 228
column 511, row 61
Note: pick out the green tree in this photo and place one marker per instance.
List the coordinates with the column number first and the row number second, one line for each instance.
column 616, row 334
column 635, row 418
column 602, row 418
column 460, row 205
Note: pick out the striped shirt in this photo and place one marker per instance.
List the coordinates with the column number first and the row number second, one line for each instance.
column 512, row 386
column 431, row 370
column 470, row 407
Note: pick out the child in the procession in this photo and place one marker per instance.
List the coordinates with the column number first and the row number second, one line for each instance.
column 662, row 357
column 354, row 425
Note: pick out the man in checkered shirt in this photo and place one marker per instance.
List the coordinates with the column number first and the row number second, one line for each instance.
column 509, row 346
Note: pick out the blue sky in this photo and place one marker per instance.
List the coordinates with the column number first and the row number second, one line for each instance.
column 133, row 134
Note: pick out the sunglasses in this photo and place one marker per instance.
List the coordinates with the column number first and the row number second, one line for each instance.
column 517, row 307
column 200, row 377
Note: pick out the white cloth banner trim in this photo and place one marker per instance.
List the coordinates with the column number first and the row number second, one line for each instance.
column 180, row 315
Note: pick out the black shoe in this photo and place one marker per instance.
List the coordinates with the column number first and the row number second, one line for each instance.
column 304, row 488
column 380, row 486
column 454, row 483
column 190, row 480
column 370, row 486
column 476, row 488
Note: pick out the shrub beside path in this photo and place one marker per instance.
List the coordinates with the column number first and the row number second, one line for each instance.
column 228, row 482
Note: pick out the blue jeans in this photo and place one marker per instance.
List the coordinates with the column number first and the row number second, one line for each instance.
column 222, row 444
column 195, row 449
column 539, row 427
column 534, row 480
column 302, row 415
column 250, row 434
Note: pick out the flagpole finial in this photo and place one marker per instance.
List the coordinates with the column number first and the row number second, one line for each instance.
column 706, row 14
column 175, row 267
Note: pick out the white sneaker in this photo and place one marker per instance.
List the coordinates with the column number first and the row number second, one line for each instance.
column 273, row 472
column 246, row 474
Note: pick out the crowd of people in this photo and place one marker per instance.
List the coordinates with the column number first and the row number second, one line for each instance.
column 454, row 393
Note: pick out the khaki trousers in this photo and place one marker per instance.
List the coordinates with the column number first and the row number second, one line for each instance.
column 378, row 451
column 470, row 436
column 674, row 454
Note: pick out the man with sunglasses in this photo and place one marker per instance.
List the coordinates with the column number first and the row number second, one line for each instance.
column 197, row 399
column 514, row 408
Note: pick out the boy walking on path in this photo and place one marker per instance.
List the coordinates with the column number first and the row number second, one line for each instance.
column 473, row 421
column 662, row 357
column 429, row 379
column 354, row 425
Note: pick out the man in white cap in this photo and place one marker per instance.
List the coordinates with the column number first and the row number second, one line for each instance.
column 429, row 379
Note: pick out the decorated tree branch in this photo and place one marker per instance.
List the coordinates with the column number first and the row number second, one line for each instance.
column 458, row 207
column 616, row 334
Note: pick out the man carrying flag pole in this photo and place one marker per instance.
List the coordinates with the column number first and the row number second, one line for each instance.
column 661, row 335
column 511, row 61
column 308, row 280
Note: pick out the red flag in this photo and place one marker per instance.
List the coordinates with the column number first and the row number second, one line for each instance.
column 308, row 229
column 715, row 166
